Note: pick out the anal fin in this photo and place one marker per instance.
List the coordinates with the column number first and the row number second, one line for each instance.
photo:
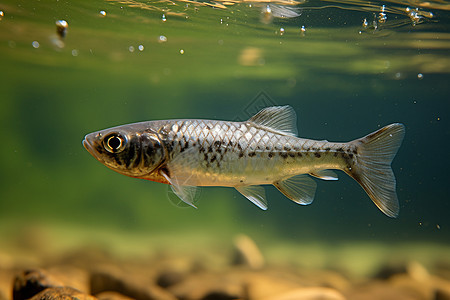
column 300, row 188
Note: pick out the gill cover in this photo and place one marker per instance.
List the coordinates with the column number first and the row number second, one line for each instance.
column 153, row 150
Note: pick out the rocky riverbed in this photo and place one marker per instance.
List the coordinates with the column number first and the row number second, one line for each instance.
column 242, row 272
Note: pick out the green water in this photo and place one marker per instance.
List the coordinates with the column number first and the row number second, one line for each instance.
column 130, row 65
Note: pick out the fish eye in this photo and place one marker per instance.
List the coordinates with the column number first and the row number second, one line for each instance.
column 114, row 142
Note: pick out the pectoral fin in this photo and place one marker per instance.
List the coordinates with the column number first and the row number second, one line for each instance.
column 300, row 189
column 325, row 175
column 186, row 193
column 255, row 194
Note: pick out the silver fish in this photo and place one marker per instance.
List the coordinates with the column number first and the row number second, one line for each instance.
column 188, row 153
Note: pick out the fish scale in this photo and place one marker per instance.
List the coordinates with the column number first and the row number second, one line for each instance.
column 265, row 149
column 246, row 156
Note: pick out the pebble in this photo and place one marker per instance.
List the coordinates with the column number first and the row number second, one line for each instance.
column 71, row 276
column 247, row 253
column 130, row 284
column 388, row 270
column 409, row 285
column 62, row 293
column 381, row 290
column 442, row 291
column 112, row 296
column 260, row 285
column 6, row 278
column 310, row 293
column 31, row 282
column 208, row 285
column 169, row 277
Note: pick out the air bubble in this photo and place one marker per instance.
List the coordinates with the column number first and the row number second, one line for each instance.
column 162, row 39
column 163, row 18
column 2, row 14
column 61, row 28
column 75, row 52
column 102, row 13
column 181, row 51
column 420, row 76
column 35, row 44
column 281, row 31
column 365, row 23
column 382, row 17
column 141, row 48
column 131, row 49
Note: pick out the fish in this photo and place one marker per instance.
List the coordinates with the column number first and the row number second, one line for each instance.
column 264, row 150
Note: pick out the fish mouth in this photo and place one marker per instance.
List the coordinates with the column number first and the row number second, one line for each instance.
column 90, row 149
column 87, row 145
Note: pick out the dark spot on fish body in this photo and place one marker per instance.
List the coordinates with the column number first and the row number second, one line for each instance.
column 283, row 155
column 270, row 154
column 213, row 158
column 150, row 151
column 287, row 148
column 327, row 149
column 118, row 160
column 137, row 151
column 251, row 154
column 299, row 154
column 241, row 181
column 267, row 148
column 217, row 144
column 241, row 154
column 350, row 155
column 338, row 151
column 99, row 148
column 210, row 149
column 292, row 154
column 230, row 146
column 317, row 154
column 130, row 154
column 239, row 147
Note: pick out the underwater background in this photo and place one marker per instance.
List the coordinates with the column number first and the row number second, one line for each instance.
column 346, row 67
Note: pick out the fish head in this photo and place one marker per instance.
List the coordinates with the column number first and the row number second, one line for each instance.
column 125, row 150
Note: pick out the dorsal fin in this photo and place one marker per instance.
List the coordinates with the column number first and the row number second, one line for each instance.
column 278, row 118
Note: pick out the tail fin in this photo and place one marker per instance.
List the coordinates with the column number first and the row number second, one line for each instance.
column 372, row 169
